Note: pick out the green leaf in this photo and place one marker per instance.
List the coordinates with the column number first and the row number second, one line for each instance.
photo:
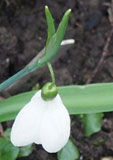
column 56, row 40
column 7, row 150
column 7, row 133
column 25, row 151
column 11, row 106
column 93, row 98
column 69, row 152
column 50, row 23
column 92, row 123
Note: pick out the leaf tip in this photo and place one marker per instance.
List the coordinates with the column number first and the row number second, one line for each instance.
column 46, row 8
column 69, row 11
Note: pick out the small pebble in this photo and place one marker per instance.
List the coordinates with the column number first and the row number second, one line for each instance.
column 107, row 158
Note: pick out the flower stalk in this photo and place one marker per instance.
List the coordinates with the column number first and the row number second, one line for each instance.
column 52, row 73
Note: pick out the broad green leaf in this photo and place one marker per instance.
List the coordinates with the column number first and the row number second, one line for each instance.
column 50, row 53
column 92, row 123
column 7, row 150
column 69, row 152
column 56, row 40
column 11, row 106
column 50, row 23
column 25, row 151
column 7, row 133
column 93, row 98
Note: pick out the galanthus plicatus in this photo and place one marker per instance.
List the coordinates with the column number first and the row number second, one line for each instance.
column 45, row 122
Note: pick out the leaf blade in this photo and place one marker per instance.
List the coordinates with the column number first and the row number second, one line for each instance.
column 25, row 151
column 7, row 150
column 50, row 23
column 69, row 152
column 92, row 123
column 93, row 98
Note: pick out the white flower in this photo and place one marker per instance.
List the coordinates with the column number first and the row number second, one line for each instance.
column 42, row 122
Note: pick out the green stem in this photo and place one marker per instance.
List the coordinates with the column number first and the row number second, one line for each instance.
column 52, row 72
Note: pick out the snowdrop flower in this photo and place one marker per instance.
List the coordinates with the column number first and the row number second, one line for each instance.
column 42, row 122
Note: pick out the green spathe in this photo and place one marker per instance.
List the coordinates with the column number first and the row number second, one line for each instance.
column 49, row 91
column 52, row 45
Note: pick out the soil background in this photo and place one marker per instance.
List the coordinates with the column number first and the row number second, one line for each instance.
column 23, row 33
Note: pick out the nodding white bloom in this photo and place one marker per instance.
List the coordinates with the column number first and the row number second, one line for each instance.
column 42, row 122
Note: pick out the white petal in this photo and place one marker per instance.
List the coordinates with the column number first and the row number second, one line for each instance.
column 26, row 126
column 55, row 127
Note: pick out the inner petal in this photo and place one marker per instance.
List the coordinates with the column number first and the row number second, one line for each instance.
column 55, row 128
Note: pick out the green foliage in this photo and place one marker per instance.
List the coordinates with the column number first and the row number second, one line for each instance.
column 93, row 98
column 69, row 152
column 50, row 23
column 7, row 150
column 7, row 133
column 92, row 123
column 10, row 152
column 25, row 151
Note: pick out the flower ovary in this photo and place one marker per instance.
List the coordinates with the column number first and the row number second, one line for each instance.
column 49, row 91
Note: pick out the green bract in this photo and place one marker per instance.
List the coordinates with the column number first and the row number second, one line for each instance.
column 52, row 45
